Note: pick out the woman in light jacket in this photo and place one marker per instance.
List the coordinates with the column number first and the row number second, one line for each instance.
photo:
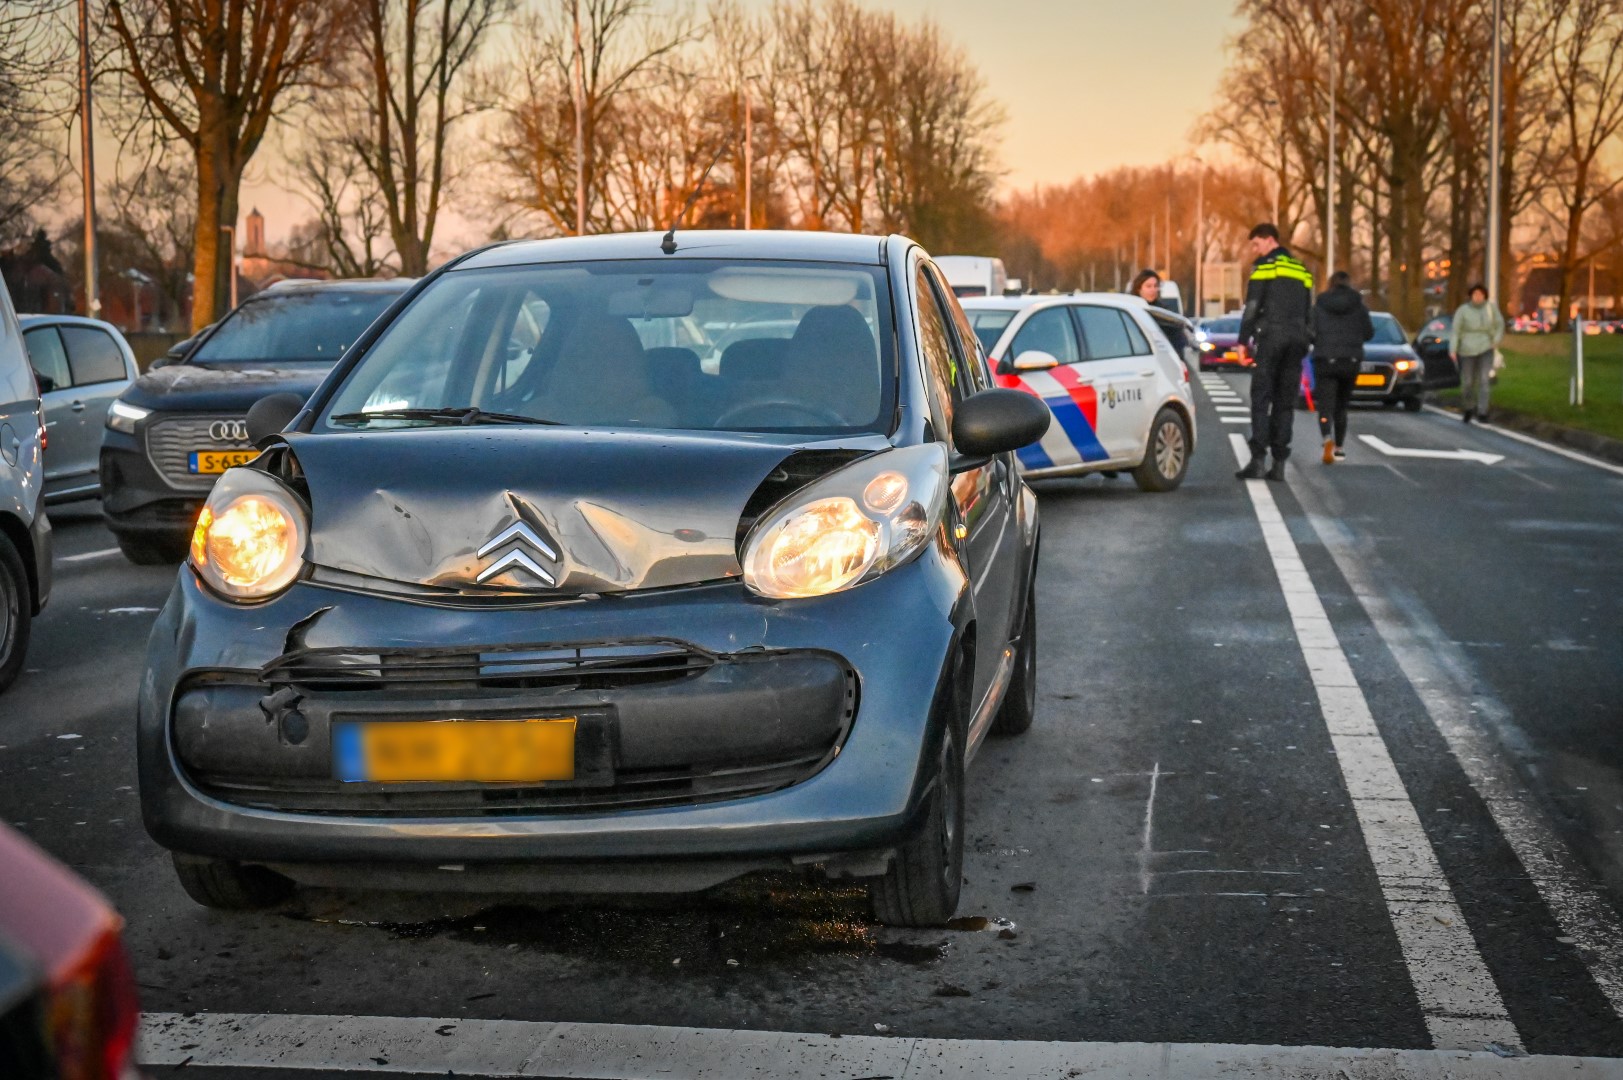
column 1477, row 330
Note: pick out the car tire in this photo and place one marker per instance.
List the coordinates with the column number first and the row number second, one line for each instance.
column 16, row 612
column 1166, row 457
column 145, row 552
column 921, row 887
column 1412, row 403
column 1019, row 706
column 229, row 886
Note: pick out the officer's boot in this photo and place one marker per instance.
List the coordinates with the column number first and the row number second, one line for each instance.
column 1254, row 468
column 1276, row 471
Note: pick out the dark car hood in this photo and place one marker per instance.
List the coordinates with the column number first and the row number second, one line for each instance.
column 617, row 510
column 1388, row 353
column 225, row 388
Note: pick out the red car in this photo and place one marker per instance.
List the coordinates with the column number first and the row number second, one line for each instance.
column 68, row 1009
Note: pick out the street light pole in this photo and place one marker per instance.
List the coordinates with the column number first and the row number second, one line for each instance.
column 87, row 136
column 1200, row 240
column 580, row 126
column 1330, row 163
column 1496, row 79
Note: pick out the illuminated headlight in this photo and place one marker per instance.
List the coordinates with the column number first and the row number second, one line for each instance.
column 249, row 540
column 1406, row 365
column 123, row 417
column 1206, row 346
column 849, row 527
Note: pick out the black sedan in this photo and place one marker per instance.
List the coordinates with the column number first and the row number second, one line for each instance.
column 1391, row 374
column 173, row 431
column 519, row 602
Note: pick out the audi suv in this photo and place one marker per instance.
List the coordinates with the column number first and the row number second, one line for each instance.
column 172, row 433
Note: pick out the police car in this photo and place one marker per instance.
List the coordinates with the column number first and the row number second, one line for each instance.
column 1119, row 393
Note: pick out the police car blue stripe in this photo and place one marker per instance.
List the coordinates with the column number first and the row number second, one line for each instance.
column 1034, row 457
column 1069, row 416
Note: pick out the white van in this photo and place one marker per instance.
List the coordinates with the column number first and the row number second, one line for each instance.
column 974, row 275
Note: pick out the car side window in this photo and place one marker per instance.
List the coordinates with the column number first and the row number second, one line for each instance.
column 1141, row 344
column 1103, row 332
column 1050, row 331
column 93, row 355
column 940, row 360
column 969, row 345
column 49, row 359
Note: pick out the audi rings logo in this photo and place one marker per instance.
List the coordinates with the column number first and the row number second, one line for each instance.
column 229, row 431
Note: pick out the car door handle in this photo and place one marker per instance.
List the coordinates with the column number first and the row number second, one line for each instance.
column 78, row 406
column 1147, row 374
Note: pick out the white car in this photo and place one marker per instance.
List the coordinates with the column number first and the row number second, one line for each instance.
column 81, row 366
column 1119, row 393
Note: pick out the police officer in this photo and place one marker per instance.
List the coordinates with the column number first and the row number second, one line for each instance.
column 1278, row 328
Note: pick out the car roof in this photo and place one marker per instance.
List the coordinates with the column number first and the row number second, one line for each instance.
column 64, row 320
column 1022, row 303
column 366, row 285
column 690, row 244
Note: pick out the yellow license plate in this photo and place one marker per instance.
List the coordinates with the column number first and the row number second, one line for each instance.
column 210, row 462
column 448, row 751
column 1371, row 380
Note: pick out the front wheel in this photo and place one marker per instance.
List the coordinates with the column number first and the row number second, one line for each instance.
column 921, row 886
column 16, row 608
column 229, row 886
column 1166, row 458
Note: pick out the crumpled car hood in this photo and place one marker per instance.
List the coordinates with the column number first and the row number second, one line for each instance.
column 229, row 387
column 551, row 511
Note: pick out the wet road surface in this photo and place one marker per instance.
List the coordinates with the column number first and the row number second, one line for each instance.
column 1202, row 840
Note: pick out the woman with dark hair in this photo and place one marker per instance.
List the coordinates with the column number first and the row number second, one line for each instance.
column 1147, row 287
column 1341, row 325
column 1478, row 328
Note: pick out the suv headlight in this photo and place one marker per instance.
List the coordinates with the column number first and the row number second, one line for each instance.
column 850, row 526
column 249, row 540
column 123, row 417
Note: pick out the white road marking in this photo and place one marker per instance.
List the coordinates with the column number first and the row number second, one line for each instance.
column 1442, row 677
column 1147, row 851
column 1441, row 455
column 1457, row 995
column 1540, row 443
column 88, row 555
column 1233, row 408
column 1235, row 419
column 564, row 1051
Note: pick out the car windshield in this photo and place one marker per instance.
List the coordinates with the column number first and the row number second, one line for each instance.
column 989, row 325
column 1388, row 331
column 313, row 326
column 1221, row 326
column 784, row 347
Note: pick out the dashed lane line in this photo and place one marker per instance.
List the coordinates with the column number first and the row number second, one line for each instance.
column 563, row 1051
column 1440, row 673
column 1456, row 992
column 88, row 555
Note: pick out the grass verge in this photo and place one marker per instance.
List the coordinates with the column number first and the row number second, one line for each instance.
column 1537, row 375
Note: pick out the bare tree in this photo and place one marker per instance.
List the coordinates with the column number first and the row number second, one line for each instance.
column 1588, row 77
column 351, row 230
column 36, row 57
column 152, row 207
column 215, row 73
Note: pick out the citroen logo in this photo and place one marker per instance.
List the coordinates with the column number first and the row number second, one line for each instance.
column 521, row 536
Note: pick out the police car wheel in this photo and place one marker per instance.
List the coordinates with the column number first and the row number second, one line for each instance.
column 229, row 886
column 1019, row 706
column 15, row 609
column 921, row 886
column 1166, row 458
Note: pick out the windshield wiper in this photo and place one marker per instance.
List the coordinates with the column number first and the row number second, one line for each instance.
column 470, row 414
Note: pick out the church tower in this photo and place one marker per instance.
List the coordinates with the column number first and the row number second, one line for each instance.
column 254, row 245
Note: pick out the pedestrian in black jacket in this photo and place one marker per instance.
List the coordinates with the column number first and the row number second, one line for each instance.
column 1341, row 325
column 1277, row 325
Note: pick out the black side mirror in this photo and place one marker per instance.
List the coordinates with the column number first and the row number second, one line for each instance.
column 269, row 416
column 994, row 422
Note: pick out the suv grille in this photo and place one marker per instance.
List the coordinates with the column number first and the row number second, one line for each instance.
column 171, row 441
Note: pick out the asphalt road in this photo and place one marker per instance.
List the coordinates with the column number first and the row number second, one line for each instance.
column 1196, row 842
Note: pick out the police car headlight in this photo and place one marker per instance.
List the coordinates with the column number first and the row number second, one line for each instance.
column 123, row 417
column 249, row 540
column 849, row 527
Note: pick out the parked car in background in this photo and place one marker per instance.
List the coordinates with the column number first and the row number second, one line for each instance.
column 25, row 532
column 1218, row 340
column 174, row 430
column 81, row 365
column 1431, row 345
column 68, row 1007
column 974, row 275
column 1119, row 393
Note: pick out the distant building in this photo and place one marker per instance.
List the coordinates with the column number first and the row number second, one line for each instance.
column 257, row 268
column 35, row 279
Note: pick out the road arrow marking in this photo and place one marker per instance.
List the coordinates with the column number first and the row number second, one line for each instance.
column 1443, row 455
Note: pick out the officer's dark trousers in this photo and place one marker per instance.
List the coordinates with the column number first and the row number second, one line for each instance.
column 1275, row 384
